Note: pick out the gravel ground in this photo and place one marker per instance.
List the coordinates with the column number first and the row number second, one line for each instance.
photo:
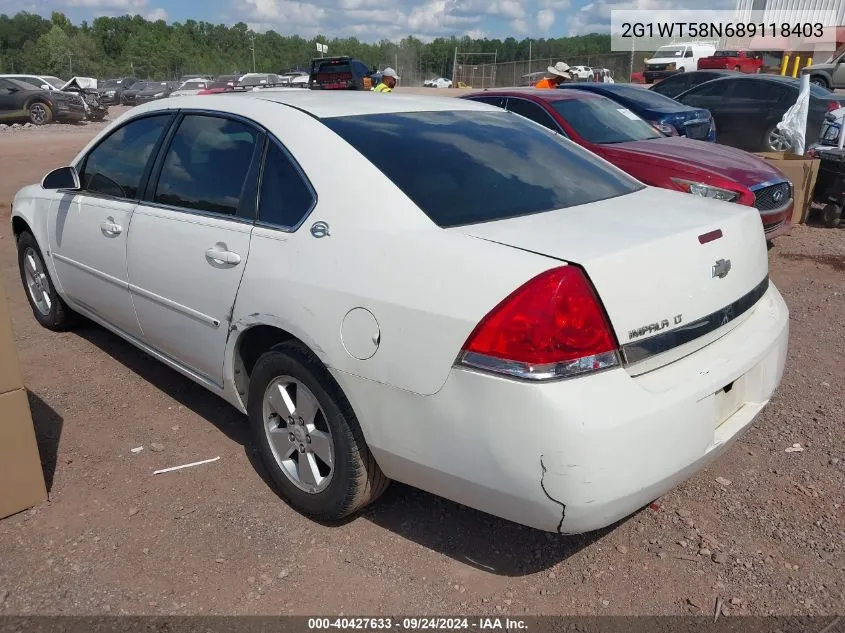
column 761, row 528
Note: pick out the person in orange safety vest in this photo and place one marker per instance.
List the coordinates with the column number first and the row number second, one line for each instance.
column 559, row 74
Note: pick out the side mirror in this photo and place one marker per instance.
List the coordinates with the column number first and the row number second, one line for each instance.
column 62, row 178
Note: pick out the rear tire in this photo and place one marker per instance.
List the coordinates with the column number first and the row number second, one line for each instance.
column 325, row 491
column 48, row 308
column 39, row 113
column 737, row 69
column 774, row 141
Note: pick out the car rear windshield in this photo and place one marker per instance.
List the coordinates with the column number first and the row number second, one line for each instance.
column 604, row 121
column 645, row 97
column 469, row 166
column 726, row 54
column 335, row 66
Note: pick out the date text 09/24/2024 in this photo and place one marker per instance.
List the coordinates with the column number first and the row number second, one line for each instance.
column 417, row 623
column 697, row 30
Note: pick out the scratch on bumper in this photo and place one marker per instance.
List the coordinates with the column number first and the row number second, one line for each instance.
column 551, row 498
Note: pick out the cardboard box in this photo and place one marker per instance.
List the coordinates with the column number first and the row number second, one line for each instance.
column 10, row 374
column 21, row 477
column 802, row 172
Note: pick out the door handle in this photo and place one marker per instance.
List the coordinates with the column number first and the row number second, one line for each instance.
column 223, row 256
column 110, row 228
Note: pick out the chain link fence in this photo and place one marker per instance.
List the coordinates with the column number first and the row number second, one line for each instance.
column 527, row 73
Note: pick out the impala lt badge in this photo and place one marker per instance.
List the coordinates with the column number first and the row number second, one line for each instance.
column 721, row 268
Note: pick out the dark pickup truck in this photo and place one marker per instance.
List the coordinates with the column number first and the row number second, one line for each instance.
column 340, row 73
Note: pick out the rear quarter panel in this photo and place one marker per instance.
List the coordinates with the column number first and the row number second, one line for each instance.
column 426, row 287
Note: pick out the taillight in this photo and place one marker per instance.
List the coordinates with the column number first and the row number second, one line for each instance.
column 551, row 327
column 833, row 105
column 665, row 128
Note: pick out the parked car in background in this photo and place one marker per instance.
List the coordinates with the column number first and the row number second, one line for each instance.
column 668, row 116
column 676, row 58
column 191, row 87
column 340, row 73
column 21, row 101
column 43, row 82
column 747, row 109
column 287, row 78
column 218, row 86
column 582, row 73
column 632, row 144
column 739, row 60
column 543, row 339
column 439, row 82
column 831, row 74
column 86, row 88
column 129, row 96
column 154, row 90
column 676, row 84
column 111, row 90
column 252, row 81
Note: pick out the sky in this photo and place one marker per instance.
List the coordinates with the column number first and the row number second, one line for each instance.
column 372, row 20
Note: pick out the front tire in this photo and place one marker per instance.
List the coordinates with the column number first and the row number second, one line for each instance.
column 40, row 113
column 48, row 308
column 820, row 81
column 775, row 141
column 308, row 436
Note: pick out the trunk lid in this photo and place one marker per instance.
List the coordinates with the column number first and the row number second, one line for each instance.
column 644, row 255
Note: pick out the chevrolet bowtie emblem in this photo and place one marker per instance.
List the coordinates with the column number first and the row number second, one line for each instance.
column 721, row 268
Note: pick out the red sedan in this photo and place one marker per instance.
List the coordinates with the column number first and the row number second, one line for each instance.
column 622, row 138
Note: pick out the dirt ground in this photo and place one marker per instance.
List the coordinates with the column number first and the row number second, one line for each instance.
column 216, row 539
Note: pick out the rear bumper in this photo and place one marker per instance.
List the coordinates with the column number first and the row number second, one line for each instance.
column 578, row 455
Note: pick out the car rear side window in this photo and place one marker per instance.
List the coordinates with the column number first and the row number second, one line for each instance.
column 532, row 111
column 670, row 86
column 285, row 198
column 471, row 166
column 116, row 166
column 761, row 91
column 207, row 164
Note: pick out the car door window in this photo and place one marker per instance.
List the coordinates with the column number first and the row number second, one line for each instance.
column 116, row 166
column 672, row 86
column 499, row 102
column 708, row 95
column 207, row 164
column 532, row 111
column 757, row 91
column 286, row 198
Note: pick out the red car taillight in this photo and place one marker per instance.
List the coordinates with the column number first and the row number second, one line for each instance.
column 551, row 327
column 833, row 105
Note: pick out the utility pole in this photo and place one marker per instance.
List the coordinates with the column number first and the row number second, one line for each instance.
column 252, row 39
column 631, row 65
column 455, row 69
column 70, row 62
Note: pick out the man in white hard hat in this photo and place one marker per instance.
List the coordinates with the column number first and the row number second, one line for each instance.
column 559, row 74
column 388, row 81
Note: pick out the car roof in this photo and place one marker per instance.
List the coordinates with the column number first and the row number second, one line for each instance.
column 324, row 104
column 537, row 93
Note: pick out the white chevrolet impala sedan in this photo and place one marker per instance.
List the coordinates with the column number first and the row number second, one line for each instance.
column 423, row 289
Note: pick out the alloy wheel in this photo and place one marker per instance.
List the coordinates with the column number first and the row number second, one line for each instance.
column 298, row 434
column 778, row 142
column 38, row 112
column 37, row 283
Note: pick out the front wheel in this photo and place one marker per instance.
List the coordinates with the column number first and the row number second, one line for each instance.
column 40, row 113
column 774, row 140
column 309, row 437
column 819, row 81
column 47, row 306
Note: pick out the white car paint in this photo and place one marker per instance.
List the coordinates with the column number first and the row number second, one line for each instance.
column 440, row 82
column 582, row 72
column 190, row 87
column 568, row 455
